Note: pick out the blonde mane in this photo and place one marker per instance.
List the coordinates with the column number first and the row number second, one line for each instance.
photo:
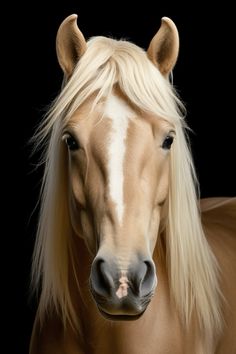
column 191, row 265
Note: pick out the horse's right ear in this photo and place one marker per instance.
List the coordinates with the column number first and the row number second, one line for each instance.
column 70, row 44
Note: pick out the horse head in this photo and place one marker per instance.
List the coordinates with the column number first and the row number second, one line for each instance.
column 118, row 170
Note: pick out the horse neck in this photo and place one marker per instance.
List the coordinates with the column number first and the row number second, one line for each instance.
column 159, row 254
column 79, row 269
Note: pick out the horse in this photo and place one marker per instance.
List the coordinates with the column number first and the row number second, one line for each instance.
column 127, row 258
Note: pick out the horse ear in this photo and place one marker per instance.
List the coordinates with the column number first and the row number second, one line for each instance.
column 70, row 44
column 164, row 47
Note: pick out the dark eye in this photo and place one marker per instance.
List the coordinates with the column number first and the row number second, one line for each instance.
column 71, row 142
column 167, row 142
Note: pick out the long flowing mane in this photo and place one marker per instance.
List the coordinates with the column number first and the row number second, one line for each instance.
column 192, row 268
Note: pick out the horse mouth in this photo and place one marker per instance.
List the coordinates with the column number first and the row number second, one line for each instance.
column 113, row 317
column 126, row 310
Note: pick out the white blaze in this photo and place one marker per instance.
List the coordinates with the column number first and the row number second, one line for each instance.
column 119, row 113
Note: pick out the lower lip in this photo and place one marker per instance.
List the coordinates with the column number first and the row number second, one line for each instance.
column 120, row 317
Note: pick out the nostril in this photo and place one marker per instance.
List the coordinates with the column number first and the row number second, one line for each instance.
column 149, row 278
column 143, row 278
column 105, row 277
column 101, row 279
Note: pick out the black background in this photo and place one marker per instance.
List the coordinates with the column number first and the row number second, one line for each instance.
column 203, row 75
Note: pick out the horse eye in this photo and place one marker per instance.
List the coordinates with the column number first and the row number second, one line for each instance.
column 167, row 142
column 71, row 142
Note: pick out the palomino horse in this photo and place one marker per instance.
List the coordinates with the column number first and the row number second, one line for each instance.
column 127, row 259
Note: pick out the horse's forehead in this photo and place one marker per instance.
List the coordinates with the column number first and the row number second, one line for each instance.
column 118, row 110
column 108, row 122
column 113, row 119
column 114, row 109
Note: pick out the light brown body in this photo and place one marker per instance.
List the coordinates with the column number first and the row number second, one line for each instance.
column 158, row 331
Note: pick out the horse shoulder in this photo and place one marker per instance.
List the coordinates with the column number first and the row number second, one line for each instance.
column 51, row 337
column 219, row 223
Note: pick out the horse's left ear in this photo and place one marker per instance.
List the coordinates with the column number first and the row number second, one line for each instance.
column 70, row 44
column 164, row 47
